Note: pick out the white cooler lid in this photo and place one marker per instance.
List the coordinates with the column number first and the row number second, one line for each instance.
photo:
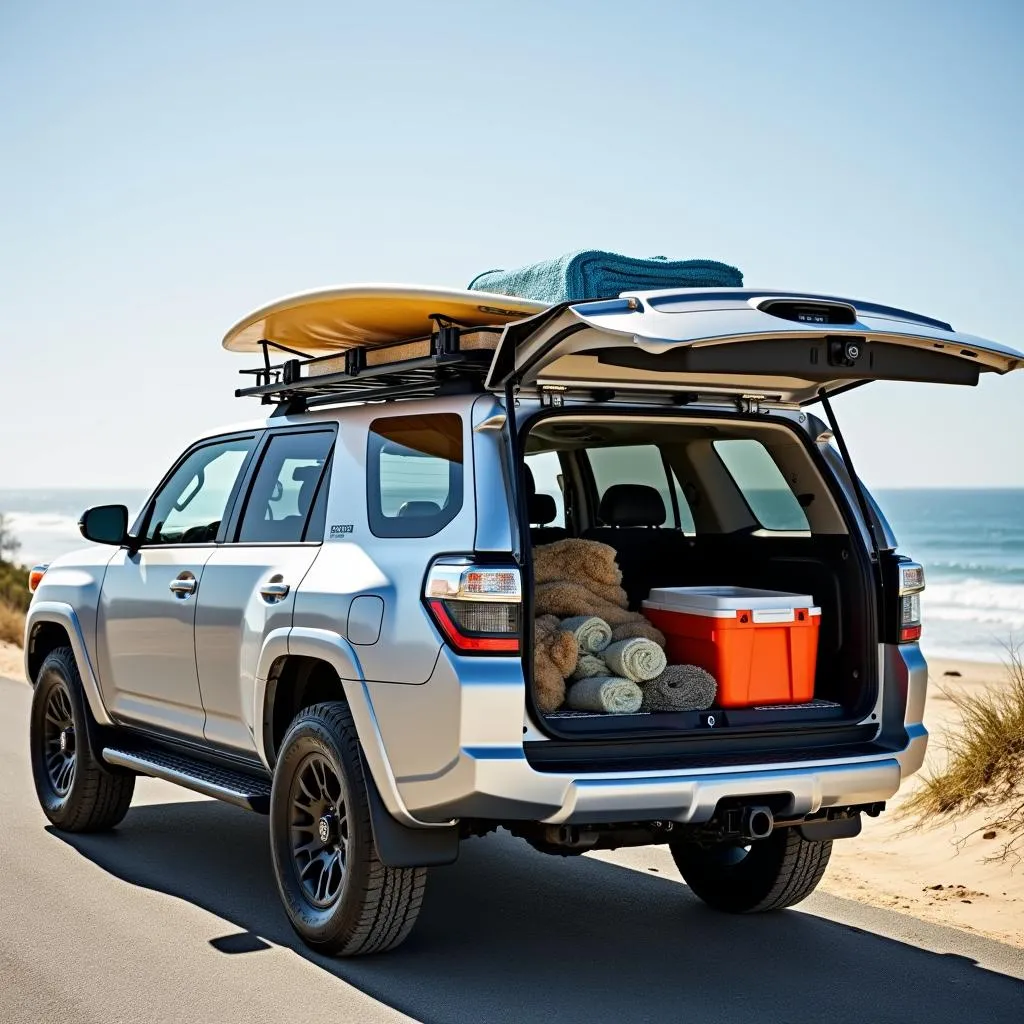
column 724, row 602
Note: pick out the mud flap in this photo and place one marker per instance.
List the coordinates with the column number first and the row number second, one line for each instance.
column 838, row 828
column 399, row 846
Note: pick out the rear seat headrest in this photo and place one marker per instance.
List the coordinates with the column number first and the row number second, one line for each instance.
column 418, row 508
column 631, row 505
column 543, row 509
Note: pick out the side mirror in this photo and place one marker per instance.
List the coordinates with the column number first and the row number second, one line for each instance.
column 105, row 524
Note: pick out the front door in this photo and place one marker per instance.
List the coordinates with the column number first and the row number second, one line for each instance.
column 249, row 582
column 147, row 662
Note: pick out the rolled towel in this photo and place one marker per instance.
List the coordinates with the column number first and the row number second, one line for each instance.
column 680, row 688
column 592, row 634
column 589, row 665
column 637, row 659
column 605, row 694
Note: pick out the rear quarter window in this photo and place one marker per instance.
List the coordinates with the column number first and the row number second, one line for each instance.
column 764, row 488
column 414, row 469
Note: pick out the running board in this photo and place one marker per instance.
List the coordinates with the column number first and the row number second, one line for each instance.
column 233, row 787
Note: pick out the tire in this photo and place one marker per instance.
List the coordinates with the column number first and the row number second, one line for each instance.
column 76, row 790
column 339, row 897
column 770, row 874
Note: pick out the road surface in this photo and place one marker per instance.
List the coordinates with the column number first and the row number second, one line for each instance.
column 174, row 917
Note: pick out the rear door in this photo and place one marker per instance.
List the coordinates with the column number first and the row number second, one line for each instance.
column 773, row 347
column 249, row 582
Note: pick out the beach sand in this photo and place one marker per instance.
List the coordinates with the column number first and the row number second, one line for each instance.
column 941, row 873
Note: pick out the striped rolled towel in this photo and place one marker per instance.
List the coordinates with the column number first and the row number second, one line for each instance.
column 589, row 665
column 680, row 688
column 605, row 694
column 592, row 634
column 637, row 659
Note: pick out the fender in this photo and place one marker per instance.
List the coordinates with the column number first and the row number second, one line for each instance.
column 63, row 614
column 334, row 649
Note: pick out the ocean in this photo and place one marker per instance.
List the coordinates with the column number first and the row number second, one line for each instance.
column 971, row 544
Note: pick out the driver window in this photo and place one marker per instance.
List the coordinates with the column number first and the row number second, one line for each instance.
column 189, row 508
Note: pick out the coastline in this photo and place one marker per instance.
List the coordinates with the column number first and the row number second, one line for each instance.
column 939, row 872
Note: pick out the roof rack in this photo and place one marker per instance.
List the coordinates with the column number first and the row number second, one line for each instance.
column 453, row 358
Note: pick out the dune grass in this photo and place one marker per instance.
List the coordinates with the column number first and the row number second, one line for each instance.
column 985, row 760
column 12, row 624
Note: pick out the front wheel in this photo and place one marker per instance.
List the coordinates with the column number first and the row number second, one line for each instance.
column 339, row 897
column 77, row 790
column 768, row 874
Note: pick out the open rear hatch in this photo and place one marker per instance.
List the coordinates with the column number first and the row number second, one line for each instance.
column 744, row 349
column 772, row 347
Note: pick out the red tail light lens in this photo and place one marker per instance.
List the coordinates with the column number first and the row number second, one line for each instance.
column 478, row 609
column 911, row 586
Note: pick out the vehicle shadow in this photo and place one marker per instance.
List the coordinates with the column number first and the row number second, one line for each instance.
column 507, row 934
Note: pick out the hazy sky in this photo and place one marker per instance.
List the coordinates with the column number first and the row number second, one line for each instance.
column 166, row 167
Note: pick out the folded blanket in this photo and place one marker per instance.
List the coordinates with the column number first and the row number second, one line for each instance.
column 589, row 665
column 593, row 274
column 680, row 688
column 637, row 659
column 605, row 694
column 592, row 634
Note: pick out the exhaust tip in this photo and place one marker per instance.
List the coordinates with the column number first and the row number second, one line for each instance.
column 758, row 822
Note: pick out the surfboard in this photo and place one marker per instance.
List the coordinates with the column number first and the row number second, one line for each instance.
column 334, row 319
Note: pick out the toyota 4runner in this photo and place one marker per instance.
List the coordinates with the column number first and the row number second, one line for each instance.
column 324, row 615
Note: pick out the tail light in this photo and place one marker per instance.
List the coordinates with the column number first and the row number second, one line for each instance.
column 35, row 577
column 911, row 583
column 478, row 608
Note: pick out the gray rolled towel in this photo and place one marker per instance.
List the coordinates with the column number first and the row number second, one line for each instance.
column 592, row 634
column 680, row 688
column 590, row 665
column 637, row 658
column 605, row 694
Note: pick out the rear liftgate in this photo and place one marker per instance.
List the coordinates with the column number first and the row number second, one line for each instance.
column 746, row 350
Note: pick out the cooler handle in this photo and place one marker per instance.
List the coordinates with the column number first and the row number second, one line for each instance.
column 774, row 615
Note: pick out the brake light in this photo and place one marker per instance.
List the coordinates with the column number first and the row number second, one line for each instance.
column 478, row 609
column 35, row 577
column 911, row 577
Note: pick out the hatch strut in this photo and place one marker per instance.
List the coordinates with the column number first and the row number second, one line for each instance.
column 855, row 482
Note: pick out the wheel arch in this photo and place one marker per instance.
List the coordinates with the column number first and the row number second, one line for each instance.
column 53, row 624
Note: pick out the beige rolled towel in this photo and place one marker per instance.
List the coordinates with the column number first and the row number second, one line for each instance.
column 680, row 688
column 638, row 626
column 589, row 665
column 592, row 634
column 638, row 659
column 605, row 694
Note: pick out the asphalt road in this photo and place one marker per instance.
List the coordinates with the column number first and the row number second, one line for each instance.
column 174, row 917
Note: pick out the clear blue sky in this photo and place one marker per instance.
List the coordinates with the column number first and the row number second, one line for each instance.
column 167, row 167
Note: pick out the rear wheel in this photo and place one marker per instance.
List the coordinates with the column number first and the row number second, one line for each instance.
column 77, row 791
column 339, row 897
column 769, row 874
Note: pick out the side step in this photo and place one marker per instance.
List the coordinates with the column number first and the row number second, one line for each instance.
column 233, row 787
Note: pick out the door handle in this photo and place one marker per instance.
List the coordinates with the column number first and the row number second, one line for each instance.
column 272, row 592
column 183, row 585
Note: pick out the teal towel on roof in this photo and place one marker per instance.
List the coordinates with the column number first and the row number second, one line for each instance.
column 592, row 274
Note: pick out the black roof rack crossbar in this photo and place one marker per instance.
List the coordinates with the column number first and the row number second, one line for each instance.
column 411, row 367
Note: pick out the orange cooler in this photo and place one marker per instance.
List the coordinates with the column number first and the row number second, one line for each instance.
column 761, row 645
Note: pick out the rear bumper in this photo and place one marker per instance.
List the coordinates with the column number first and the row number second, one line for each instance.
column 492, row 779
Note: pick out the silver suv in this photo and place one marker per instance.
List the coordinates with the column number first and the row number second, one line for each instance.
column 321, row 615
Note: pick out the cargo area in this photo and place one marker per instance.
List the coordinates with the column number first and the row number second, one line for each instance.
column 732, row 546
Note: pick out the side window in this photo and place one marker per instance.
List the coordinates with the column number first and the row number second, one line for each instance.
column 414, row 474
column 286, row 488
column 190, row 506
column 639, row 464
column 547, row 478
column 762, row 484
